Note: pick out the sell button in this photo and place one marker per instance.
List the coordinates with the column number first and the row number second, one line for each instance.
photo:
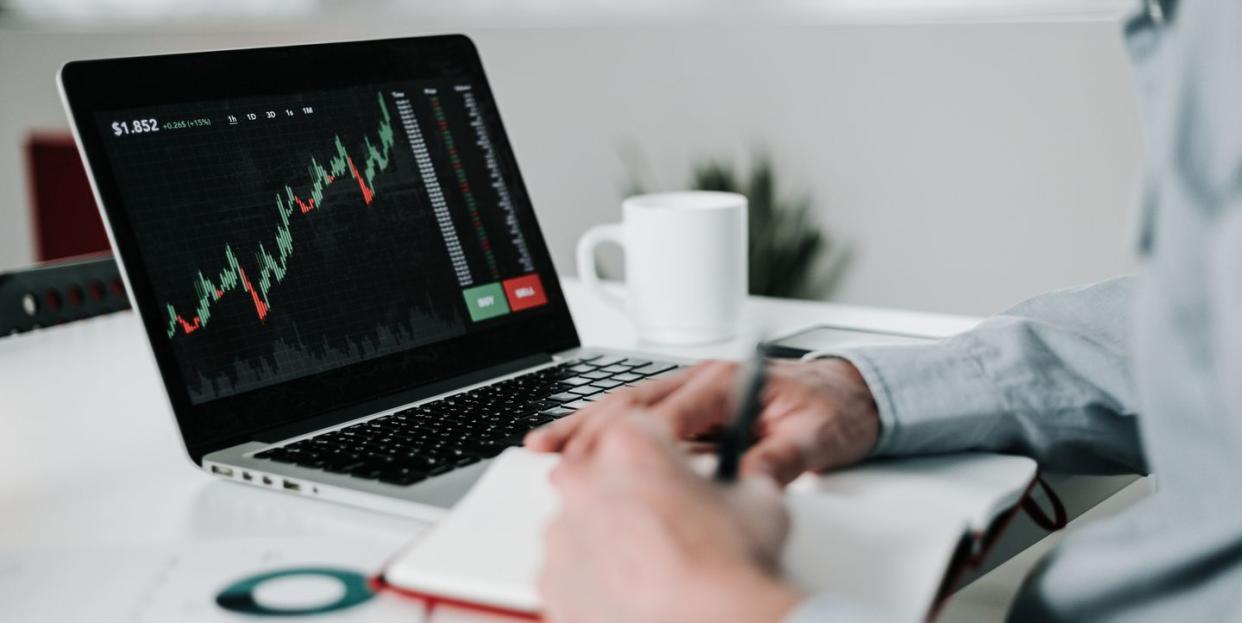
column 524, row 292
column 486, row 301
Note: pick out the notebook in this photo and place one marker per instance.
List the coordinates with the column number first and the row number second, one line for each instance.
column 883, row 535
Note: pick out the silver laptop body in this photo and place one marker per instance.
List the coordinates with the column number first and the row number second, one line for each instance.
column 337, row 265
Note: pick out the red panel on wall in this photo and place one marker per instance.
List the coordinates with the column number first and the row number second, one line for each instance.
column 65, row 221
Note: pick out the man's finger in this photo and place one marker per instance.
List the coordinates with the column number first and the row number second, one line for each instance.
column 554, row 436
column 595, row 422
column 566, row 474
column 779, row 457
column 657, row 389
column 753, row 497
column 700, row 403
column 551, row 437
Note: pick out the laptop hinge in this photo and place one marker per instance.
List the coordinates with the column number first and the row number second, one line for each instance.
column 392, row 400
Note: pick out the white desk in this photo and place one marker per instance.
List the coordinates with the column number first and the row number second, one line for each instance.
column 90, row 454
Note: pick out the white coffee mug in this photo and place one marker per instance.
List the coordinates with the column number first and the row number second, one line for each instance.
column 685, row 264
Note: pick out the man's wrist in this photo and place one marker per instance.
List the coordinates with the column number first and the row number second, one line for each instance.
column 858, row 412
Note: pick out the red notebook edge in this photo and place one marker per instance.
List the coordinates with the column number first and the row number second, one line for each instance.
column 976, row 546
column 380, row 584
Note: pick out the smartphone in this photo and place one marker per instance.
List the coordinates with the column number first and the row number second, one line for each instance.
column 827, row 337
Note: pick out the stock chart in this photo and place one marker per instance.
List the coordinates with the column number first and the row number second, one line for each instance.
column 285, row 236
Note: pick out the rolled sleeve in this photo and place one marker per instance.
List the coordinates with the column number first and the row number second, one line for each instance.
column 1050, row 378
column 929, row 397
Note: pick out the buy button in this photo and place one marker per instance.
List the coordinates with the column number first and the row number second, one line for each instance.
column 486, row 301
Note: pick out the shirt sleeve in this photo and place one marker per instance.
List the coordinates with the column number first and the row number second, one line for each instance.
column 1049, row 378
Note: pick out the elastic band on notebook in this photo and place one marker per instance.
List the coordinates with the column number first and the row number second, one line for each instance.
column 818, row 354
column 1059, row 518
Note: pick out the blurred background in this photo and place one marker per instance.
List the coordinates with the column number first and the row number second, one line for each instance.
column 955, row 155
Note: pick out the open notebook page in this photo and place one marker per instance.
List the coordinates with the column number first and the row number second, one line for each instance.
column 880, row 534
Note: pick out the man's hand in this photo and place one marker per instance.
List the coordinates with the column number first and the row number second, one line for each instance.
column 642, row 538
column 817, row 415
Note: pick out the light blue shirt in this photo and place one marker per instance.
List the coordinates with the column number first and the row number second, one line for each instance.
column 1134, row 374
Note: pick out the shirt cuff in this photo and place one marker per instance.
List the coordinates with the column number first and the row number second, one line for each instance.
column 931, row 398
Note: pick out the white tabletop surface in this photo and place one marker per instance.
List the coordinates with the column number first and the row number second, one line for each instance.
column 90, row 454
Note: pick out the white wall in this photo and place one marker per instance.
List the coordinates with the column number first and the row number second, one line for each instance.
column 969, row 165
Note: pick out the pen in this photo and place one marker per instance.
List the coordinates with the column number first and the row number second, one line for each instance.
column 736, row 438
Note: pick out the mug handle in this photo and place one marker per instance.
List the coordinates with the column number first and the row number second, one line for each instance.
column 594, row 237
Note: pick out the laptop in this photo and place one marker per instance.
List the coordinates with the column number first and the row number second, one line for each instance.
column 336, row 263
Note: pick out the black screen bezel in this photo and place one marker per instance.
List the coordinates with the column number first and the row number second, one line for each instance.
column 96, row 86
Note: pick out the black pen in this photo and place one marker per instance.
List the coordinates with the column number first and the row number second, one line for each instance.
column 735, row 440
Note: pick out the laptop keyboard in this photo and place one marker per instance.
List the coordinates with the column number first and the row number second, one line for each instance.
column 436, row 437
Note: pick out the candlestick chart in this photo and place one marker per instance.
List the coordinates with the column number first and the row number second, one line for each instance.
column 288, row 235
column 273, row 268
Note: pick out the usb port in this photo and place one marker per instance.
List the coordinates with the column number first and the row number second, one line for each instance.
column 247, row 477
column 292, row 486
column 223, row 471
column 267, row 481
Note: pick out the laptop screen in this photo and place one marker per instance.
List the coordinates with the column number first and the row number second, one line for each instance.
column 313, row 227
column 286, row 236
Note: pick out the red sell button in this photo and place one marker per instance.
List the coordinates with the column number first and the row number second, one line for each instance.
column 524, row 292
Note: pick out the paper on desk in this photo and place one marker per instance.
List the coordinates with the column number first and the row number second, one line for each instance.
column 159, row 584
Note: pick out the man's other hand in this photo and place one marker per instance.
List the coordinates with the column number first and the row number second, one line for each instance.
column 640, row 537
column 816, row 415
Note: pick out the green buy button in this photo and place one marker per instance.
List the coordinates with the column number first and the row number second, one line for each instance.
column 486, row 301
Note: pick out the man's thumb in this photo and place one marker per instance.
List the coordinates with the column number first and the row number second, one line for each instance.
column 779, row 458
